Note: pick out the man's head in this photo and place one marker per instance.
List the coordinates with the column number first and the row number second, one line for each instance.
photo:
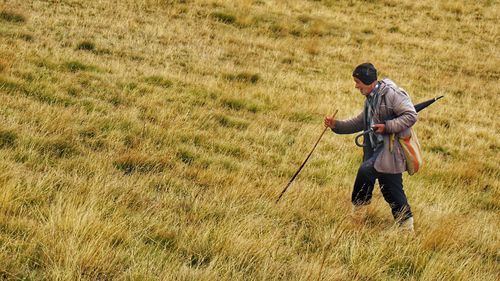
column 365, row 77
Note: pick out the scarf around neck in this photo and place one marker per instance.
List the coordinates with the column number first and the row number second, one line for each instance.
column 370, row 106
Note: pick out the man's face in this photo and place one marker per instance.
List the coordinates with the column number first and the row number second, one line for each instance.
column 364, row 89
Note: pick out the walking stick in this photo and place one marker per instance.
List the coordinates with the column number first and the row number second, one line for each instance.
column 302, row 166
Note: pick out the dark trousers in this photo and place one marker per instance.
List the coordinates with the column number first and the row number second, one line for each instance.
column 391, row 186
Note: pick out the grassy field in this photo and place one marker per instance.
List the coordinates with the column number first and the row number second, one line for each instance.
column 149, row 140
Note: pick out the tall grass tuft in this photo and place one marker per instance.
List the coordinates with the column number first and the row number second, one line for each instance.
column 223, row 17
column 229, row 122
column 12, row 17
column 132, row 162
column 186, row 157
column 7, row 138
column 86, row 46
column 75, row 66
column 159, row 81
column 59, row 148
column 247, row 77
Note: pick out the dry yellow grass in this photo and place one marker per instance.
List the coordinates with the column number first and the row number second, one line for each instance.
column 148, row 140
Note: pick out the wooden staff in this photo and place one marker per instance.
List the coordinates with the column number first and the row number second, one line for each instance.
column 302, row 166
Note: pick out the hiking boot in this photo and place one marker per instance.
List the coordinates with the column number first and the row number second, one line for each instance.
column 406, row 225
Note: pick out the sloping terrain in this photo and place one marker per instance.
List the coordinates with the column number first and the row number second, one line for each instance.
column 149, row 140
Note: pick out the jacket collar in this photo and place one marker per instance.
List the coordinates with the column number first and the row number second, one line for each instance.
column 384, row 84
column 374, row 92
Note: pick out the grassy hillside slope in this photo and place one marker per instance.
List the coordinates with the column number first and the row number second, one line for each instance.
column 148, row 139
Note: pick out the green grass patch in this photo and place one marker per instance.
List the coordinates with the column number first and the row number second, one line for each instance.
column 393, row 29
column 296, row 32
column 26, row 37
column 229, row 149
column 35, row 91
column 12, row 17
column 162, row 237
column 245, row 77
column 229, row 166
column 45, row 63
column 75, row 66
column 73, row 91
column 367, row 31
column 194, row 139
column 302, row 117
column 7, row 139
column 186, row 157
column 238, row 104
column 159, row 81
column 199, row 261
column 103, row 51
column 253, row 108
column 231, row 122
column 234, row 104
column 50, row 97
column 86, row 46
column 440, row 150
column 403, row 267
column 9, row 85
column 489, row 204
column 134, row 162
column 116, row 100
column 304, row 19
column 488, row 200
column 278, row 29
column 223, row 17
column 59, row 148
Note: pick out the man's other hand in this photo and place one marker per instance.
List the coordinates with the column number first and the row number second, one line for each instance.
column 379, row 128
column 329, row 122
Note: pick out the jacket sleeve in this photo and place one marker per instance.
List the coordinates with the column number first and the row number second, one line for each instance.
column 349, row 126
column 405, row 112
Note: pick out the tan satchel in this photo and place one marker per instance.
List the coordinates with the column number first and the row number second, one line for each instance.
column 412, row 152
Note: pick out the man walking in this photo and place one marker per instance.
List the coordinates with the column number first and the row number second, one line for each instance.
column 389, row 112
